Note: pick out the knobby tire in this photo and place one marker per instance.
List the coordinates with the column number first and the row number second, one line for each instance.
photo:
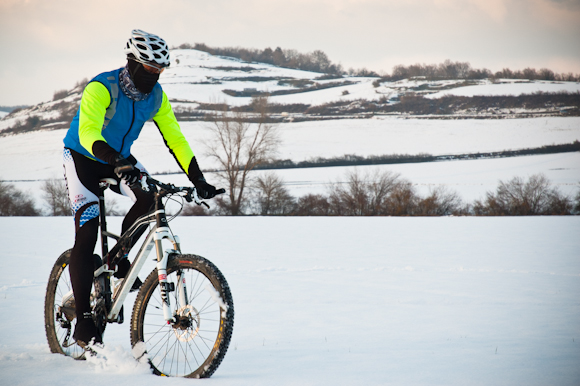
column 195, row 345
column 59, row 322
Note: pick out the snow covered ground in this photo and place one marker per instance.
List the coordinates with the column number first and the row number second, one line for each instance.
column 338, row 301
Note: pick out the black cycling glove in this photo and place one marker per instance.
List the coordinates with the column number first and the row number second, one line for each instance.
column 204, row 190
column 123, row 167
column 126, row 171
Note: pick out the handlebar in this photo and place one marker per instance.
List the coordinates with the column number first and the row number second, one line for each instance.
column 191, row 192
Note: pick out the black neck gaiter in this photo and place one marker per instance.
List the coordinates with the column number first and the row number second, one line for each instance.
column 143, row 79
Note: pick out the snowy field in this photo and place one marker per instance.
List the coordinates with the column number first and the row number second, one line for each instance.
column 38, row 155
column 338, row 301
column 306, row 140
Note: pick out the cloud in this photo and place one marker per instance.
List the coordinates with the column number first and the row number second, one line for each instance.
column 496, row 9
column 72, row 39
column 558, row 14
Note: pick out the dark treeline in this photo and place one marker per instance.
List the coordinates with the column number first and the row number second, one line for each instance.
column 387, row 159
column 463, row 70
column 314, row 87
column 372, row 194
column 318, row 61
column 560, row 104
column 388, row 194
column 564, row 103
column 9, row 109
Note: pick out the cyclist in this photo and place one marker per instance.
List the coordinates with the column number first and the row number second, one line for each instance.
column 114, row 107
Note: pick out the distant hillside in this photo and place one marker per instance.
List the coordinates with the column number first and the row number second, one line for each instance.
column 198, row 82
column 8, row 109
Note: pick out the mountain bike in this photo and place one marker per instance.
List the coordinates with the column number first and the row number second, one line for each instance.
column 183, row 314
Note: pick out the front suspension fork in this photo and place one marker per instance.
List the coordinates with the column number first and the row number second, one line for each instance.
column 166, row 287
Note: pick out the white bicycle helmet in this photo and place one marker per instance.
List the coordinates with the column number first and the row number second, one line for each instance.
column 147, row 48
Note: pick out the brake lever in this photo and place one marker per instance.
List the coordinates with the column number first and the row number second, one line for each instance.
column 198, row 200
column 144, row 184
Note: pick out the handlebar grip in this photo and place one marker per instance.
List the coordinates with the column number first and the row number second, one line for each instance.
column 220, row 191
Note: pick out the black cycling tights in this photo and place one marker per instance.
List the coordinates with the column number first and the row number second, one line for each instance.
column 81, row 259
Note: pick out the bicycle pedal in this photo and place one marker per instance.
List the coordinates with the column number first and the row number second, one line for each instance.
column 88, row 350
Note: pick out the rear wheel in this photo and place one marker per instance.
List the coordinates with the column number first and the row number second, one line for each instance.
column 194, row 345
column 59, row 310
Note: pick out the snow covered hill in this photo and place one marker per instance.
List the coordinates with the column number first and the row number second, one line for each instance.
column 196, row 77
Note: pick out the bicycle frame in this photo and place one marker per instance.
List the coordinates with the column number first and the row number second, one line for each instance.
column 159, row 232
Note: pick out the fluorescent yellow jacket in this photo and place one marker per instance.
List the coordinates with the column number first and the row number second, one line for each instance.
column 107, row 114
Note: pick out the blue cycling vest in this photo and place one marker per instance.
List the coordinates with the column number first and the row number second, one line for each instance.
column 124, row 117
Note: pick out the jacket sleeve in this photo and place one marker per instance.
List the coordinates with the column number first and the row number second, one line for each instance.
column 94, row 103
column 172, row 135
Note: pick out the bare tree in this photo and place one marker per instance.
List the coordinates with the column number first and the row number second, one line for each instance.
column 576, row 209
column 441, row 202
column 13, row 202
column 239, row 146
column 312, row 205
column 112, row 207
column 56, row 196
column 363, row 194
column 272, row 198
column 518, row 197
column 194, row 210
column 402, row 200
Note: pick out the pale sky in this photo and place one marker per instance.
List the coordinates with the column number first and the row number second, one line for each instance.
column 49, row 45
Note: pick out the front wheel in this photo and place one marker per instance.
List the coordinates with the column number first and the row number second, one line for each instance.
column 194, row 344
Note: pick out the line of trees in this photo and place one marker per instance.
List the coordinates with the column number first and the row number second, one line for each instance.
column 389, row 159
column 463, row 70
column 561, row 103
column 360, row 194
column 388, row 194
column 318, row 61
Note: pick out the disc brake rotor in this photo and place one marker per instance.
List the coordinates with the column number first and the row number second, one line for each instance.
column 187, row 325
